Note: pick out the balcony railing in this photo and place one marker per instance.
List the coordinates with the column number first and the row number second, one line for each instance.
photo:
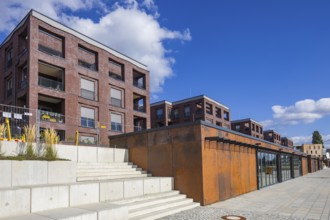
column 91, row 66
column 88, row 94
column 116, row 127
column 87, row 122
column 139, row 108
column 50, row 50
column 160, row 117
column 139, row 84
column 139, row 128
column 50, row 83
column 51, row 116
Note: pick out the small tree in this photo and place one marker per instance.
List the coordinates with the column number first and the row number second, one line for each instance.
column 317, row 138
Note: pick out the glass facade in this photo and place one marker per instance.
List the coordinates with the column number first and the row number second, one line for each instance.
column 267, row 169
column 286, row 167
column 297, row 169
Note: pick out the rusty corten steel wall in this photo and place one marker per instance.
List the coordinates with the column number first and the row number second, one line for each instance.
column 169, row 151
column 229, row 170
column 304, row 166
column 206, row 170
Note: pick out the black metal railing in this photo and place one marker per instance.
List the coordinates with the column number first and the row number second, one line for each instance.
column 50, row 51
column 88, row 94
column 50, row 83
column 91, row 66
column 51, row 116
column 139, row 84
column 139, row 108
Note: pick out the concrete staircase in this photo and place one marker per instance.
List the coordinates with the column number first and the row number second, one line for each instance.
column 103, row 191
column 108, row 171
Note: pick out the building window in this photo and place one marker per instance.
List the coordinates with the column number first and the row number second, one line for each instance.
column 226, row 115
column 116, row 97
column 237, row 127
column 175, row 113
column 23, row 83
column 208, row 107
column 117, row 70
column 50, row 43
column 116, row 122
column 209, row 121
column 87, row 139
column 160, row 114
column 253, row 127
column 187, row 111
column 139, row 102
column 9, row 57
column 199, row 107
column 218, row 123
column 9, row 87
column 260, row 130
column 311, row 152
column 87, row 117
column 87, row 89
column 87, row 58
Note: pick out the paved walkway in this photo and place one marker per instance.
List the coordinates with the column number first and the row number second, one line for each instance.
column 306, row 197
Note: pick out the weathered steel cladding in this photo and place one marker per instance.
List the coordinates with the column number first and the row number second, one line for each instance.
column 208, row 163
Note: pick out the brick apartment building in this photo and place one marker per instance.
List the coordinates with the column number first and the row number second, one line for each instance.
column 312, row 149
column 272, row 136
column 248, row 126
column 76, row 82
column 286, row 142
column 201, row 107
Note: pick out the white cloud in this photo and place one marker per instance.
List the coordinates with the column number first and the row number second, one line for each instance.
column 129, row 26
column 304, row 111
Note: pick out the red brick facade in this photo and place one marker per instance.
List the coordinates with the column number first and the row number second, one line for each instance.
column 249, row 127
column 189, row 110
column 56, row 60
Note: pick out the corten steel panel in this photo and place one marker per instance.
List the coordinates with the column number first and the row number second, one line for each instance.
column 210, row 170
column 224, row 158
column 160, row 153
column 253, row 170
column 235, row 169
column 187, row 161
column 304, row 166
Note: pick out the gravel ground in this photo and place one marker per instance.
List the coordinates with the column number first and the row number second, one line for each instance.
column 210, row 213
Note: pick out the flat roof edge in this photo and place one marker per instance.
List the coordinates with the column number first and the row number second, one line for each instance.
column 89, row 40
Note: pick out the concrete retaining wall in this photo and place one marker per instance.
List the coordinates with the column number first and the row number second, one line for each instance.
column 70, row 152
column 27, row 173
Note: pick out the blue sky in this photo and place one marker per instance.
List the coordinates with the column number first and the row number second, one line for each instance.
column 268, row 60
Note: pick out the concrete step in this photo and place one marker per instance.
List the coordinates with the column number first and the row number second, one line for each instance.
column 107, row 168
column 111, row 177
column 102, row 171
column 122, row 164
column 165, row 212
column 150, row 208
column 96, row 173
column 146, row 197
column 96, row 211
column 150, row 202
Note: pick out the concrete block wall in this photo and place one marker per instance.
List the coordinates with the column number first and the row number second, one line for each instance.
column 74, row 153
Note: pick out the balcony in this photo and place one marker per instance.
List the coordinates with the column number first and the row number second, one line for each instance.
column 50, row 83
column 50, row 76
column 50, row 51
column 139, row 80
column 51, row 116
column 139, row 123
column 88, row 94
column 139, row 103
